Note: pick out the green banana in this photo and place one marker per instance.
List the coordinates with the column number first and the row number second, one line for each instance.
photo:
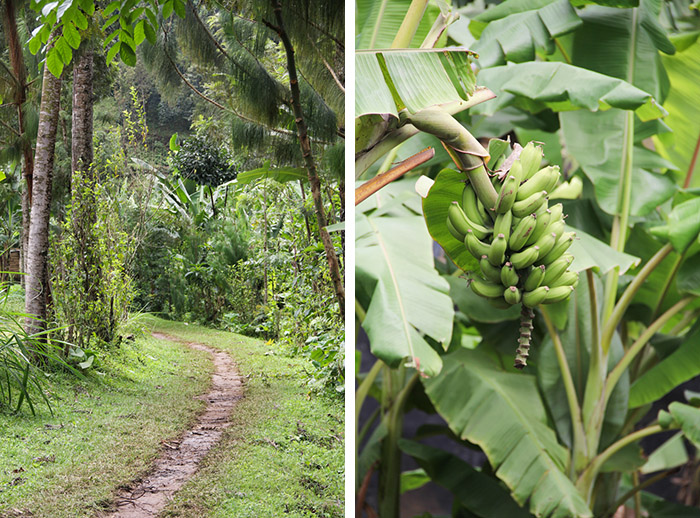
column 522, row 232
column 557, row 212
column 543, row 222
column 529, row 205
column 463, row 224
column 543, row 180
column 486, row 289
column 506, row 197
column 556, row 269
column 512, row 295
column 525, row 258
column 535, row 297
column 475, row 246
column 557, row 227
column 509, row 276
column 558, row 294
column 455, row 233
column 534, row 279
column 502, row 224
column 561, row 246
column 530, row 159
column 516, row 170
column 568, row 278
column 489, row 271
column 470, row 206
column 497, row 250
column 546, row 243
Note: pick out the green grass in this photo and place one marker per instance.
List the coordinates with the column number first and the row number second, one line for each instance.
column 106, row 429
column 283, row 454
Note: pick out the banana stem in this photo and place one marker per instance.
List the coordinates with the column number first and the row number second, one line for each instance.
column 630, row 292
column 637, row 346
column 410, row 23
column 523, row 351
column 580, row 447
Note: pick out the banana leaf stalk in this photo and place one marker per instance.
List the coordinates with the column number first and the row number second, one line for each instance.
column 466, row 151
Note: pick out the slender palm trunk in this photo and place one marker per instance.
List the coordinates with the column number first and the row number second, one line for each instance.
column 305, row 145
column 37, row 284
column 81, row 137
column 19, row 70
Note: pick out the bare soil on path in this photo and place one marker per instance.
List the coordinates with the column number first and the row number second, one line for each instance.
column 180, row 459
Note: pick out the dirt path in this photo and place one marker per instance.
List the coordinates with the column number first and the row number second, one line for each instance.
column 180, row 459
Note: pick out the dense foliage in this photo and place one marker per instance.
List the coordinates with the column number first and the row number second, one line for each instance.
column 605, row 90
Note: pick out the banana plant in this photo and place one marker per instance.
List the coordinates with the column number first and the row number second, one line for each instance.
column 560, row 426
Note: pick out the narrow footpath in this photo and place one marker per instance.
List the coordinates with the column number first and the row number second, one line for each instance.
column 180, row 459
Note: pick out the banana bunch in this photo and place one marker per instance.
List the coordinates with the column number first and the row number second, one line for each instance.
column 520, row 243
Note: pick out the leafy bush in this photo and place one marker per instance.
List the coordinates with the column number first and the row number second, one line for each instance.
column 206, row 164
column 92, row 289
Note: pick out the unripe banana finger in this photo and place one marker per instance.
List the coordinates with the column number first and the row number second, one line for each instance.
column 557, row 227
column 561, row 246
column 535, row 297
column 497, row 250
column 506, row 198
column 455, row 233
column 525, row 258
column 530, row 159
column 486, row 289
column 475, row 246
column 568, row 278
column 470, row 206
column 522, row 232
column 543, row 180
column 512, row 295
column 503, row 223
column 463, row 224
column 489, row 271
column 543, row 222
column 508, row 275
column 529, row 205
column 534, row 278
column 558, row 294
column 546, row 243
column 556, row 268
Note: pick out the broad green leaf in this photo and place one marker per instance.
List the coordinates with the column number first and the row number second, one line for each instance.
column 447, row 188
column 279, row 174
column 603, row 131
column 127, row 54
column 477, row 492
column 406, row 299
column 179, row 8
column 139, row 32
column 683, row 106
column 53, row 61
column 502, row 413
column 167, row 9
column 683, row 224
column 669, row 455
column 518, row 36
column 688, row 279
column 71, row 35
column 680, row 366
column 624, row 43
column 113, row 51
column 688, row 418
column 628, row 459
column 2, row 175
column 590, row 252
column 62, row 48
column 389, row 80
column 378, row 22
column 536, row 86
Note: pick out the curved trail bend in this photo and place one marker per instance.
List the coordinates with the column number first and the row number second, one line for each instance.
column 180, row 459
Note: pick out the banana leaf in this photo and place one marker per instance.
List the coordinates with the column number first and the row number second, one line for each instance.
column 405, row 298
column 378, row 22
column 503, row 414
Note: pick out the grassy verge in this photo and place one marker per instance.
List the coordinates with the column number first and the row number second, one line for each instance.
column 106, row 430
column 284, row 453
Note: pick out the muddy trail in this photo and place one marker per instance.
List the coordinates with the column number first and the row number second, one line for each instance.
column 180, row 459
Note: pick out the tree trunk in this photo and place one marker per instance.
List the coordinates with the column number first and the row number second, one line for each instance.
column 19, row 70
column 37, row 284
column 81, row 136
column 305, row 145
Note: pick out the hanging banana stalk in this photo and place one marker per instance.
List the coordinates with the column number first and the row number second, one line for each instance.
column 507, row 225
